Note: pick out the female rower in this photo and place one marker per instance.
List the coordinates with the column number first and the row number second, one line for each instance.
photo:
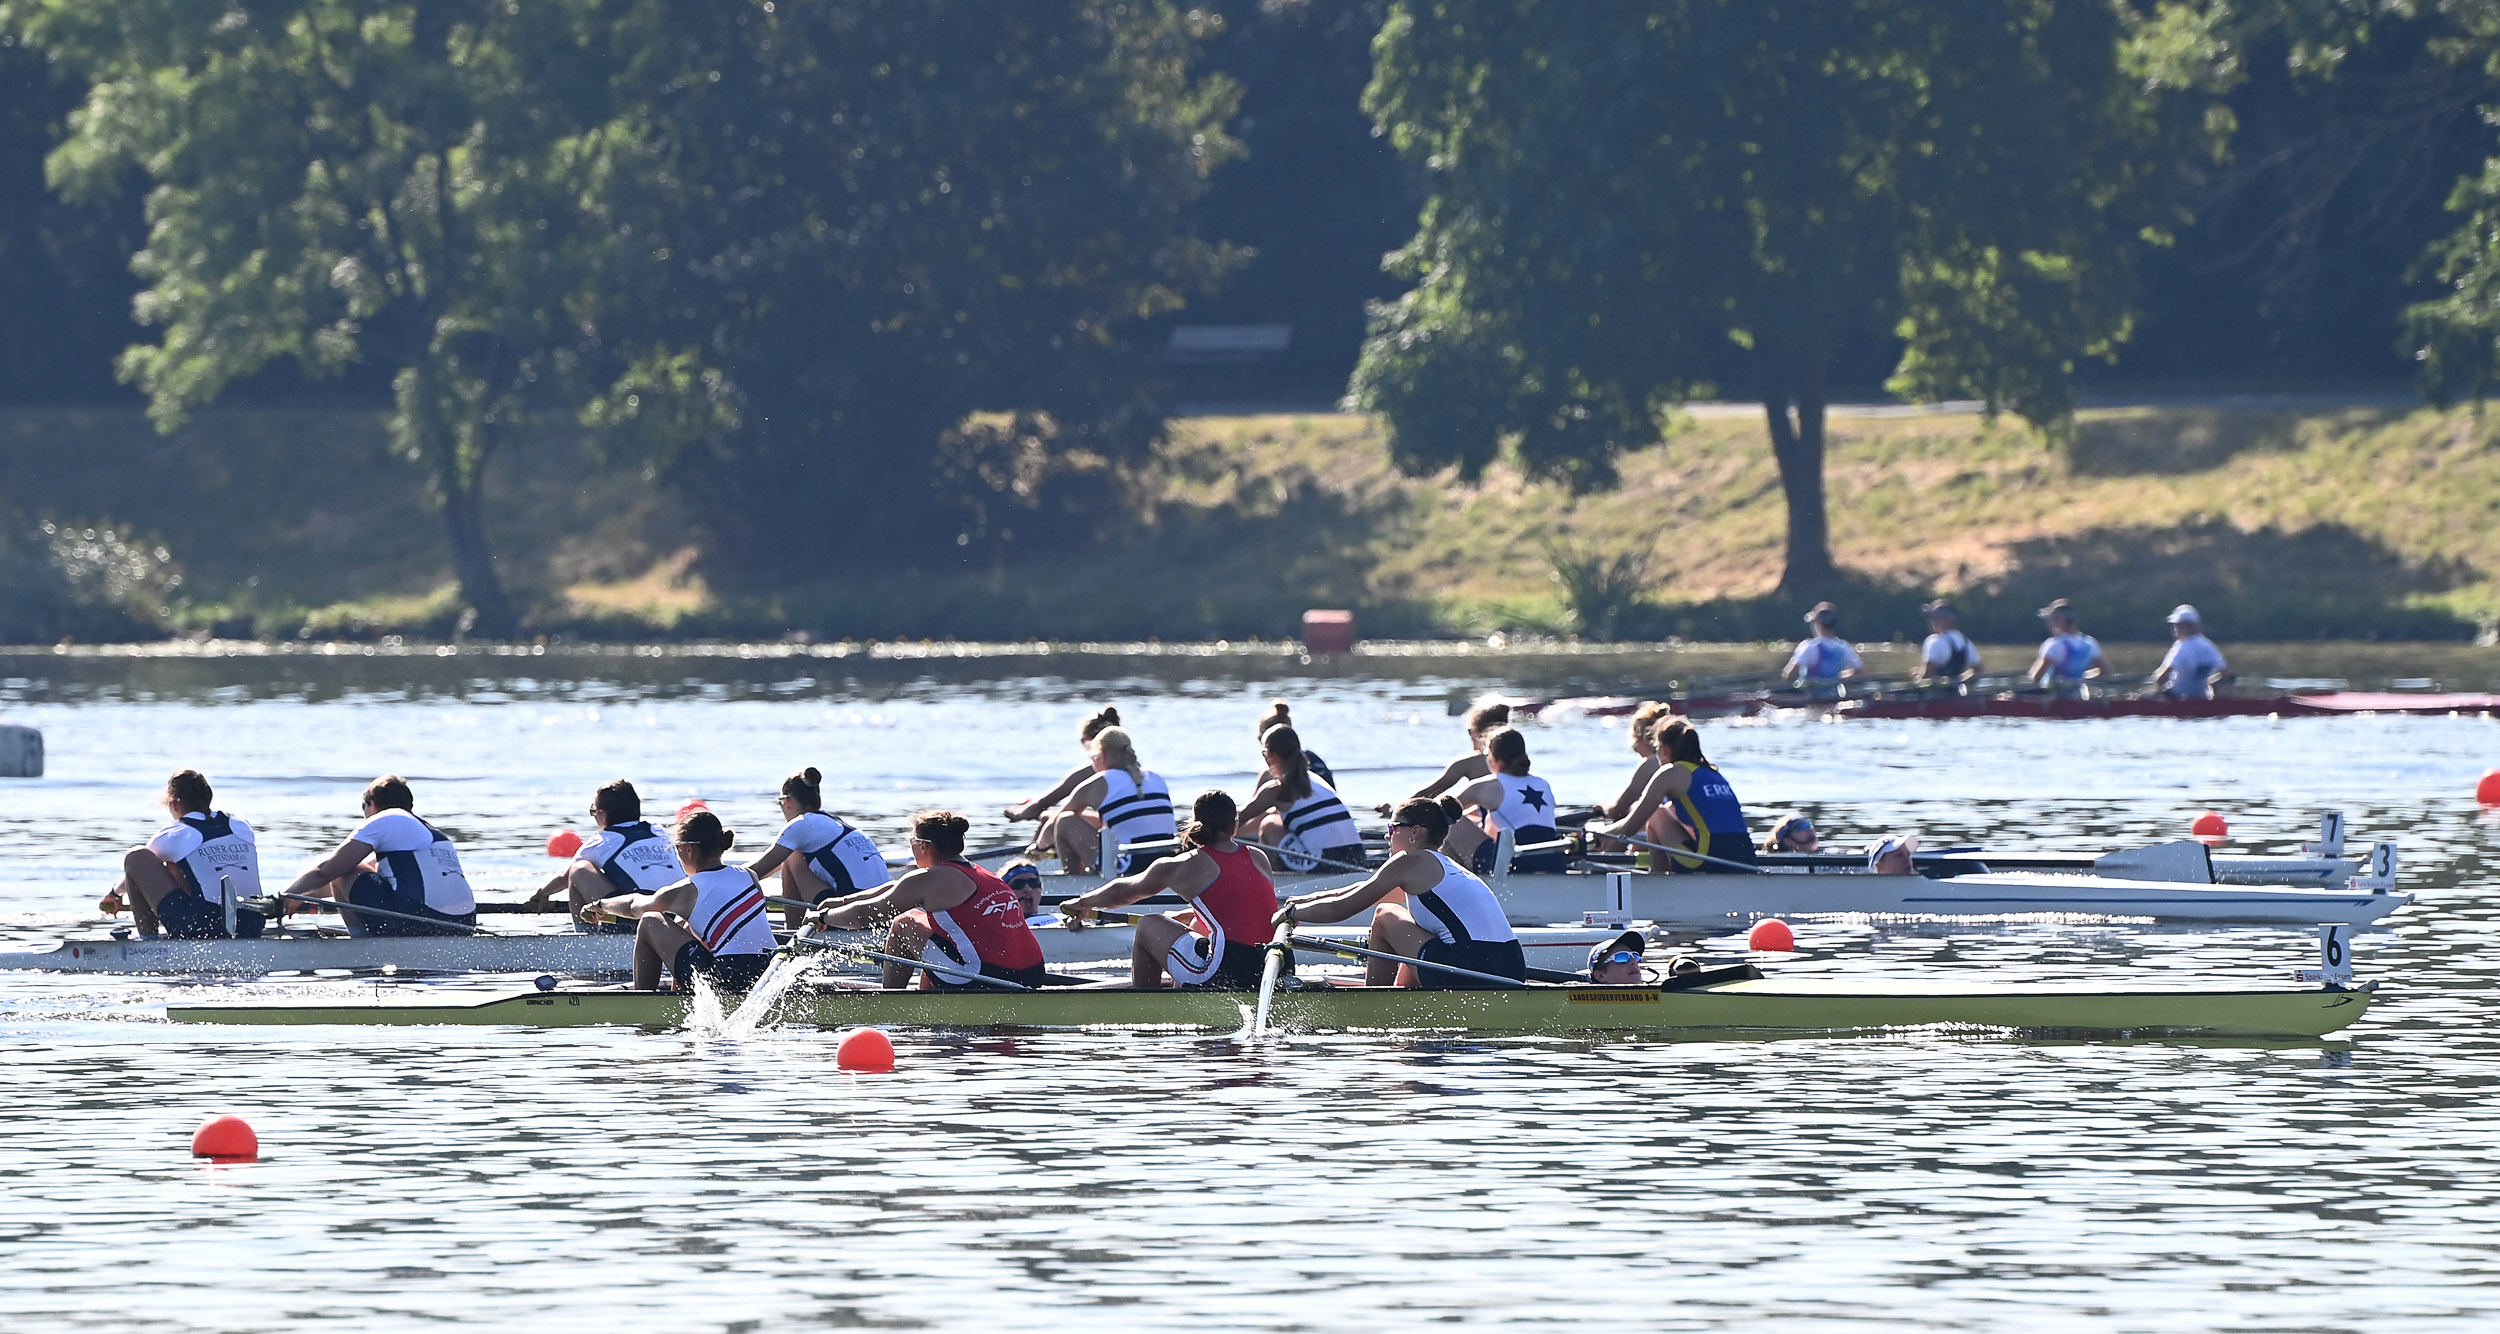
column 1231, row 890
column 1298, row 813
column 177, row 883
column 1509, row 800
column 627, row 857
column 1699, row 795
column 2069, row 659
column 1039, row 807
column 1124, row 798
column 1280, row 714
column 1482, row 723
column 1823, row 659
column 818, row 855
column 711, row 924
column 953, row 916
column 414, row 872
column 1449, row 917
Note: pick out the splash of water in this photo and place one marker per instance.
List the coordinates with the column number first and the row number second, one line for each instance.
column 785, row 972
column 704, row 1016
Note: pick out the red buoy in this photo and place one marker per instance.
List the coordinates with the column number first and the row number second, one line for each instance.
column 865, row 1049
column 1771, row 936
column 2488, row 791
column 2210, row 825
column 226, row 1139
column 563, row 843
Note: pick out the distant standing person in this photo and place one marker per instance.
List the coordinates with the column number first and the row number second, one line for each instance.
column 177, row 882
column 414, row 873
column 1947, row 656
column 1823, row 659
column 2193, row 666
column 2068, row 657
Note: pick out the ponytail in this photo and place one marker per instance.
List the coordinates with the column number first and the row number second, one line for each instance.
column 1212, row 819
column 1114, row 746
column 1284, row 747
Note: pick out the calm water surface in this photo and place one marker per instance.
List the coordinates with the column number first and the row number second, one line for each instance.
column 503, row 1179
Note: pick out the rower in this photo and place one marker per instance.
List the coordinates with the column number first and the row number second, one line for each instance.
column 712, row 923
column 1947, row 657
column 1508, row 801
column 1449, row 917
column 1039, row 807
column 1702, row 800
column 1823, row 659
column 2068, row 657
column 177, row 883
column 1280, row 714
column 1893, row 854
column 1617, row 962
column 1296, row 810
column 1662, row 827
column 819, row 856
column 1482, row 723
column 1231, row 891
column 414, row 871
column 953, row 916
column 627, row 857
column 2193, row 667
column 1123, row 798
column 1795, row 833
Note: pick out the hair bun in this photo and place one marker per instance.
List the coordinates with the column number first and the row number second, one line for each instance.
column 813, row 778
column 956, row 824
column 1110, row 715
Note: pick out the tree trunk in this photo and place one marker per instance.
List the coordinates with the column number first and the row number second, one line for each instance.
column 1792, row 399
column 458, row 489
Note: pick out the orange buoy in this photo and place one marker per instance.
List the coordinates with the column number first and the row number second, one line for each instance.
column 690, row 806
column 226, row 1139
column 865, row 1049
column 563, row 843
column 1771, row 936
column 2210, row 825
column 2488, row 791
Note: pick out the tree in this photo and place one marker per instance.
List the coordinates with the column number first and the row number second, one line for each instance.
column 887, row 217
column 1619, row 193
column 336, row 181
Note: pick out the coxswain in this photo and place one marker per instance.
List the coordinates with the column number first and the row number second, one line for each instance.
column 1893, row 854
column 1124, row 798
column 1947, row 657
column 2193, row 667
column 1026, row 880
column 956, row 918
column 1795, row 833
column 712, row 923
column 1039, row 808
column 1509, row 800
column 1482, row 722
column 1449, row 917
column 1699, row 795
column 413, row 871
column 2068, row 657
column 818, row 856
column 627, row 856
column 1296, row 811
column 1280, row 714
column 1617, row 962
column 1231, row 891
column 1823, row 659
column 178, row 883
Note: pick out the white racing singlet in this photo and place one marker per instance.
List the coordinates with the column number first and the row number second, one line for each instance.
column 418, row 861
column 1137, row 812
column 209, row 850
column 1527, row 807
column 1316, row 825
column 841, row 856
column 634, row 857
column 1460, row 909
column 729, row 916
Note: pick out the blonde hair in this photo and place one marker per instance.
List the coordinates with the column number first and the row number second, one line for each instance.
column 1113, row 745
column 1645, row 723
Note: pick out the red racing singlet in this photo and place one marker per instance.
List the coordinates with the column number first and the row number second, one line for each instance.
column 1242, row 900
column 988, row 927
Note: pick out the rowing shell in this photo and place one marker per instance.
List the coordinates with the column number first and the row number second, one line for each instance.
column 575, row 955
column 1732, row 1008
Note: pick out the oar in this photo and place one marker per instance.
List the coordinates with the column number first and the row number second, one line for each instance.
column 1267, row 987
column 1680, row 852
column 435, row 922
column 983, row 855
column 837, row 947
column 1359, row 952
column 1315, row 860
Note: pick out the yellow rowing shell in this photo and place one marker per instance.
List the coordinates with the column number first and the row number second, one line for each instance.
column 1784, row 1005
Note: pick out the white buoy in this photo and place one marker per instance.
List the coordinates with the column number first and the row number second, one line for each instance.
column 21, row 752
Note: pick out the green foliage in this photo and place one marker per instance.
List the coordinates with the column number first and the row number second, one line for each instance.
column 1619, row 193
column 83, row 581
column 1602, row 589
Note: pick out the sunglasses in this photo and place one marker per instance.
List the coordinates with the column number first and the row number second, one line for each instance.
column 1404, row 824
column 1619, row 956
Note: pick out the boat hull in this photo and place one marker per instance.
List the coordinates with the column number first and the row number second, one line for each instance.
column 1737, row 1008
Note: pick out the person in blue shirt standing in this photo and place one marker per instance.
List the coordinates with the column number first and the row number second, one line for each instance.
column 1823, row 660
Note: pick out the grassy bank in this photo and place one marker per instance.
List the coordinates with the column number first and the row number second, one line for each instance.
column 2355, row 523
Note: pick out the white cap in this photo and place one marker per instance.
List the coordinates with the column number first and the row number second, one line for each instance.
column 2183, row 614
column 1889, row 844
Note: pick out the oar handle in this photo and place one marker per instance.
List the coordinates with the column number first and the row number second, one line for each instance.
column 344, row 906
column 1679, row 852
column 838, row 947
